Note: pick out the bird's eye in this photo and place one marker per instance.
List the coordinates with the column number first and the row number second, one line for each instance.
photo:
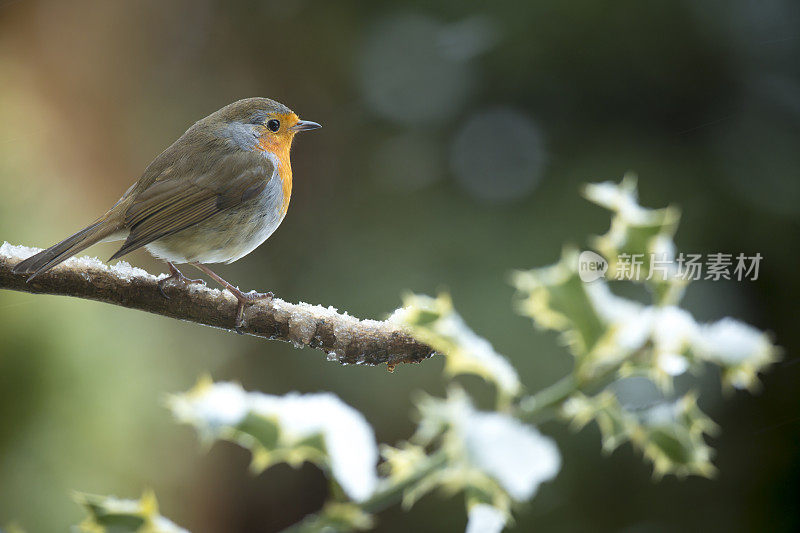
column 273, row 125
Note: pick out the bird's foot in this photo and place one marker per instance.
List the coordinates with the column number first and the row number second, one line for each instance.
column 241, row 297
column 246, row 298
column 175, row 276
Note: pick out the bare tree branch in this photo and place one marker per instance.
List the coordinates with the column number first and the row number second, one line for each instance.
column 343, row 338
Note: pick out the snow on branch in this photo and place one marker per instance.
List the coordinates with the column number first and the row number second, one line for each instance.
column 343, row 338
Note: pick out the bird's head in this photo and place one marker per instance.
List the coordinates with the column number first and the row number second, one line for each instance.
column 258, row 124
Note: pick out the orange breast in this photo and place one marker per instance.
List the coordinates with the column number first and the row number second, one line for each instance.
column 281, row 149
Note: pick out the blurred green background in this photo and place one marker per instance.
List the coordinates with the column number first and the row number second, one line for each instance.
column 456, row 137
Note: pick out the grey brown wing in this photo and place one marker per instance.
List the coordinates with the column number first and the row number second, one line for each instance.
column 175, row 203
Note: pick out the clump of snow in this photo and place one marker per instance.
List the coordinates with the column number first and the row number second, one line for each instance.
column 302, row 326
column 675, row 335
column 630, row 321
column 85, row 262
column 212, row 407
column 673, row 329
column 116, row 505
column 732, row 342
column 13, row 251
column 370, row 323
column 672, row 364
column 344, row 327
column 741, row 348
column 670, row 328
column 478, row 352
column 122, row 269
column 399, row 317
column 164, row 525
column 280, row 310
column 304, row 318
column 495, row 445
column 466, row 352
column 349, row 440
column 620, row 198
column 483, row 518
column 514, row 454
column 663, row 414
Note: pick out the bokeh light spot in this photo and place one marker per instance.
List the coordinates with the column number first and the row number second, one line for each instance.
column 498, row 155
column 408, row 76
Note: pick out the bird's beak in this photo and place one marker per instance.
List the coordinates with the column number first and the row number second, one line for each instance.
column 305, row 125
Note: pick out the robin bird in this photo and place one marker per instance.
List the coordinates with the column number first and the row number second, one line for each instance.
column 213, row 196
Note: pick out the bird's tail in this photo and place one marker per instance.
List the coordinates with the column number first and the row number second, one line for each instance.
column 47, row 259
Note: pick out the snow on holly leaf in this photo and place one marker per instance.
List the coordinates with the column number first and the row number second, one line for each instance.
column 109, row 514
column 489, row 452
column 638, row 231
column 293, row 428
column 483, row 518
column 672, row 341
column 610, row 333
column 435, row 322
column 621, row 198
column 741, row 350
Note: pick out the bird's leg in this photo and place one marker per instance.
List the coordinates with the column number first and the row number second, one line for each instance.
column 176, row 276
column 242, row 297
